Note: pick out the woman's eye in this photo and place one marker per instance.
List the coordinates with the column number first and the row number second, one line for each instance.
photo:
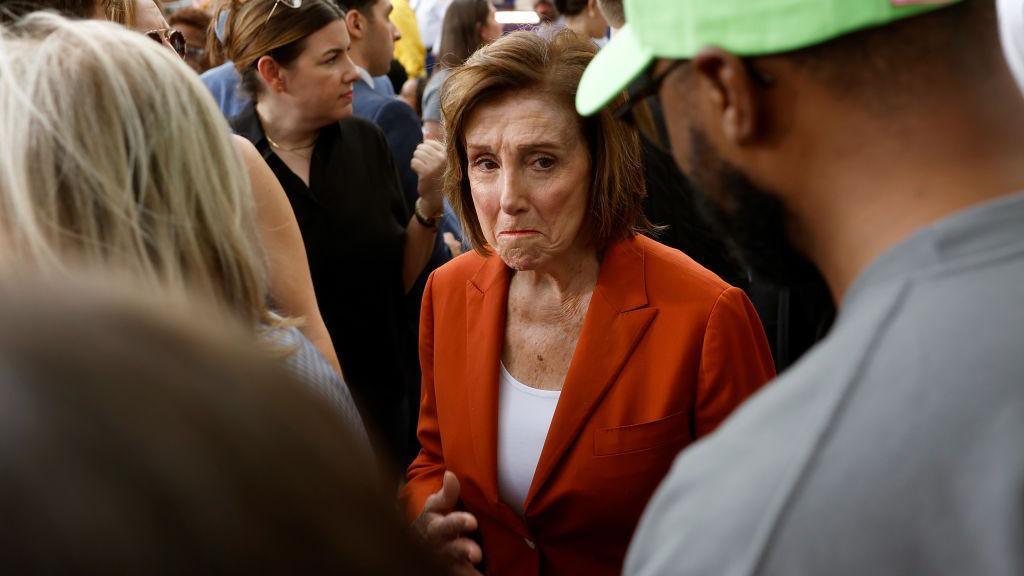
column 544, row 163
column 485, row 164
column 331, row 61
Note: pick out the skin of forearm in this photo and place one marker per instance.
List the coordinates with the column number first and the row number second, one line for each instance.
column 419, row 245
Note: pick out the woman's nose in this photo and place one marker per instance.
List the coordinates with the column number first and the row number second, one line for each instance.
column 514, row 196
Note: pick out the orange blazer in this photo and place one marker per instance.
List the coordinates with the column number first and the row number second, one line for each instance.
column 666, row 352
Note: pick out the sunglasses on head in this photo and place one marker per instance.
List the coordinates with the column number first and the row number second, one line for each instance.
column 288, row 3
column 171, row 37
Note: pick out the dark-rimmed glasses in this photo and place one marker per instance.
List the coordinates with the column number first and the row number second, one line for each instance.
column 288, row 3
column 171, row 37
column 638, row 110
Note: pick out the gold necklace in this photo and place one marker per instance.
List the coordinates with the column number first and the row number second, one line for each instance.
column 297, row 148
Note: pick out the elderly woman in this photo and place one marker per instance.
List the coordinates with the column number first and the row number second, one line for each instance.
column 567, row 360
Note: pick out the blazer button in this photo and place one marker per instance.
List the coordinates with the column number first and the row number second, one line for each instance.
column 530, row 543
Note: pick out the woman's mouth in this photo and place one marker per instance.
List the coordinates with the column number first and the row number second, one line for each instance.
column 518, row 233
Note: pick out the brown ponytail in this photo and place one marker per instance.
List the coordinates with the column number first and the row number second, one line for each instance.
column 248, row 35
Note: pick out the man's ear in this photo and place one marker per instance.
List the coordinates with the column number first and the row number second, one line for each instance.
column 356, row 23
column 270, row 71
column 729, row 94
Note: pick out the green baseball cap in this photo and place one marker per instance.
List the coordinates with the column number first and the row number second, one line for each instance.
column 679, row 29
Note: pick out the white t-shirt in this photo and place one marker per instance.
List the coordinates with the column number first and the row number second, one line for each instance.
column 524, row 416
column 1011, row 30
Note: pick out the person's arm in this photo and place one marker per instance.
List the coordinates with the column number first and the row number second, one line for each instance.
column 428, row 162
column 291, row 286
column 735, row 360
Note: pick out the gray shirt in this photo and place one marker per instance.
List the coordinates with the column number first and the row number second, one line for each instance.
column 308, row 366
column 432, row 95
column 896, row 446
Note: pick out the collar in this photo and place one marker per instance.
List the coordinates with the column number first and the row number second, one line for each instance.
column 974, row 232
column 364, row 75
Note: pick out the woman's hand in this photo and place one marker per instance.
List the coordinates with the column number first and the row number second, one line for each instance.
column 428, row 162
column 443, row 529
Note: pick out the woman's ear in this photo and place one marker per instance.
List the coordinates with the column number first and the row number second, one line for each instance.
column 271, row 73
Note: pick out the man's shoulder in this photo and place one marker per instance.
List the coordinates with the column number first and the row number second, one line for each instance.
column 220, row 76
column 385, row 111
column 729, row 487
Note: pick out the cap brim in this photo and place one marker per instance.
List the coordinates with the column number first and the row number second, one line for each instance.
column 611, row 71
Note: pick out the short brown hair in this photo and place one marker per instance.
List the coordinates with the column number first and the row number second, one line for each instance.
column 194, row 17
column 553, row 66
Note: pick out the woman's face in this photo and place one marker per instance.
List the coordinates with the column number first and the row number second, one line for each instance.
column 319, row 81
column 491, row 30
column 529, row 174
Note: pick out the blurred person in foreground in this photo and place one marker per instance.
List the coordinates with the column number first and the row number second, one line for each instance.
column 567, row 359
column 366, row 245
column 144, row 433
column 796, row 312
column 117, row 159
column 468, row 25
column 11, row 10
column 291, row 285
column 884, row 144
column 194, row 24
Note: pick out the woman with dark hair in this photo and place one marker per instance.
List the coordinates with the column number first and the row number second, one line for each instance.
column 468, row 24
column 567, row 359
column 365, row 246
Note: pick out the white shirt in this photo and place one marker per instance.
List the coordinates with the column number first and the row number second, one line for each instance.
column 364, row 75
column 430, row 17
column 524, row 416
column 1011, row 28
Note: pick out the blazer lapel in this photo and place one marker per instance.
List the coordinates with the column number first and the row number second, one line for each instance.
column 616, row 320
column 486, row 303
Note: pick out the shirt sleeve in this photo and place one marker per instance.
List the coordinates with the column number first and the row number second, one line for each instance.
column 432, row 99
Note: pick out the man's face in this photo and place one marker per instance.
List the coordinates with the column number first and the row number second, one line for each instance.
column 379, row 38
column 752, row 218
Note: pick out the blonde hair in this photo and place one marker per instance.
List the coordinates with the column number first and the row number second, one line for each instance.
column 115, row 157
column 119, row 11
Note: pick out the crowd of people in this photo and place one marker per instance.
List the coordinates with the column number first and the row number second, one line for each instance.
column 390, row 287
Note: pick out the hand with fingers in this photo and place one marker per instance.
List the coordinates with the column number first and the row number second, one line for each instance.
column 428, row 162
column 452, row 243
column 444, row 530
